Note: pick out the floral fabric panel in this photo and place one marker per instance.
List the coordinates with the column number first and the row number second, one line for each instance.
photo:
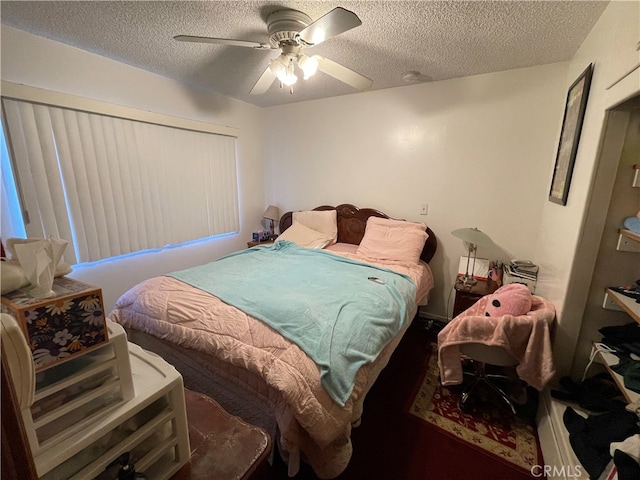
column 61, row 326
column 65, row 327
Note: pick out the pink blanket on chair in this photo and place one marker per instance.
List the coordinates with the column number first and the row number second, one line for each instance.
column 526, row 337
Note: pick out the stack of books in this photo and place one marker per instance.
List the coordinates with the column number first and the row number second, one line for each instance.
column 521, row 271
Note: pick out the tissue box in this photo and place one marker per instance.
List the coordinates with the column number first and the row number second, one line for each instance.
column 61, row 327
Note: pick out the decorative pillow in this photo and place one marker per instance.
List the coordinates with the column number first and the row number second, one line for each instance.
column 305, row 237
column 395, row 240
column 321, row 220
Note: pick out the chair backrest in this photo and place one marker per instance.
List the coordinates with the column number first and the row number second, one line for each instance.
column 493, row 355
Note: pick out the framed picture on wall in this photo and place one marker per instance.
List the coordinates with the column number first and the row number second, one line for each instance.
column 570, row 136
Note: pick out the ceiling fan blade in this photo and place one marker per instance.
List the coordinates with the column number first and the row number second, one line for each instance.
column 343, row 73
column 263, row 83
column 329, row 25
column 223, row 41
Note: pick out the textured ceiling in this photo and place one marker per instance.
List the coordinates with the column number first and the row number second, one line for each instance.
column 442, row 40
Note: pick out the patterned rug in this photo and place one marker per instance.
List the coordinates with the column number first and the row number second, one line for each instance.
column 488, row 428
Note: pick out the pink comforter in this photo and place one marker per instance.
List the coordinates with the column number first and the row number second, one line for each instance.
column 310, row 423
column 526, row 337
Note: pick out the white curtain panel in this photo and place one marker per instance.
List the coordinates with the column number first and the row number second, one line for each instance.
column 112, row 186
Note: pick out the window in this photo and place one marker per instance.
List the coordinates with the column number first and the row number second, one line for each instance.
column 10, row 215
column 111, row 185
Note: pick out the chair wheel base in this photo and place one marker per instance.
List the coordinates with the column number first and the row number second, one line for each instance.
column 480, row 376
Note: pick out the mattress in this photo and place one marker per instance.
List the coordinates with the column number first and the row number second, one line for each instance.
column 251, row 369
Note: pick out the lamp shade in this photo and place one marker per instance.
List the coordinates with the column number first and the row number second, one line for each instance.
column 309, row 65
column 473, row 236
column 272, row 213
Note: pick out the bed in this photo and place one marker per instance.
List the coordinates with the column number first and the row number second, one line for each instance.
column 308, row 400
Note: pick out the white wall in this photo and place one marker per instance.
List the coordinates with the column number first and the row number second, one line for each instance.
column 38, row 62
column 569, row 240
column 478, row 150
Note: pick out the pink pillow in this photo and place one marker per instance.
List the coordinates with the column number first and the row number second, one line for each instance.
column 394, row 240
column 390, row 222
column 343, row 248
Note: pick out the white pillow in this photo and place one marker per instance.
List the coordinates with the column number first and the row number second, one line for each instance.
column 321, row 220
column 305, row 237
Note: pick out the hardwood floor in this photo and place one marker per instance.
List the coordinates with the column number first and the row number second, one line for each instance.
column 392, row 444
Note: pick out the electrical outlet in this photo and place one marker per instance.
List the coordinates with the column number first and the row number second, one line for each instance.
column 424, row 208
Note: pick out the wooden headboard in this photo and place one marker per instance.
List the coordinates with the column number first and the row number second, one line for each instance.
column 352, row 222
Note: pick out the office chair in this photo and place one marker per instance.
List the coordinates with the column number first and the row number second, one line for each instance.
column 481, row 356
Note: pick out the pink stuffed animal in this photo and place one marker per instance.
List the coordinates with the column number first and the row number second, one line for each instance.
column 513, row 299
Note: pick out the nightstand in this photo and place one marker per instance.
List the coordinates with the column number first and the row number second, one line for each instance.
column 467, row 295
column 253, row 244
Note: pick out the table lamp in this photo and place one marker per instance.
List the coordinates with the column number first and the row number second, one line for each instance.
column 472, row 237
column 273, row 215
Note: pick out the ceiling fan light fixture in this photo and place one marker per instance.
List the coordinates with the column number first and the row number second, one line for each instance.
column 283, row 67
column 291, row 31
column 288, row 79
column 276, row 66
column 279, row 64
column 308, row 65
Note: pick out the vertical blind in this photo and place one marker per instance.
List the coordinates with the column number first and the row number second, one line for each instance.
column 112, row 186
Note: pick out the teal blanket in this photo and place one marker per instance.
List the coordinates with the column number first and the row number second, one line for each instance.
column 325, row 303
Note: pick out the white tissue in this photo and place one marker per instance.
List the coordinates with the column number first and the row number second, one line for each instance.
column 39, row 259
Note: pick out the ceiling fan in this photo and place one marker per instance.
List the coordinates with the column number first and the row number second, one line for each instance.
column 291, row 31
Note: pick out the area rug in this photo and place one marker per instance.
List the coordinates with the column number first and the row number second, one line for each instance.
column 491, row 429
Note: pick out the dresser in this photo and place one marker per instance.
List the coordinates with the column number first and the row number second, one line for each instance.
column 117, row 398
